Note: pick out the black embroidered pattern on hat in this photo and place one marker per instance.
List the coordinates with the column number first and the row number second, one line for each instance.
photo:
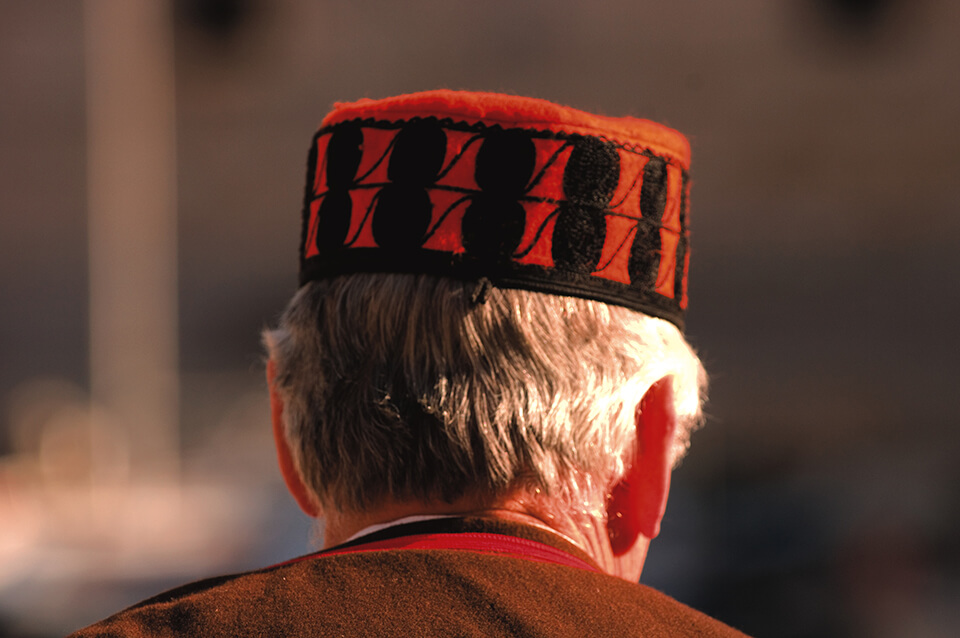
column 551, row 211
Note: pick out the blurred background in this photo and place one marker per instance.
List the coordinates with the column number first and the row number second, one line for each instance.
column 151, row 163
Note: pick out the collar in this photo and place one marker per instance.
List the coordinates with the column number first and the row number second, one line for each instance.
column 472, row 534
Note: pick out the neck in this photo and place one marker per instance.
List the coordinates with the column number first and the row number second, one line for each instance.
column 588, row 533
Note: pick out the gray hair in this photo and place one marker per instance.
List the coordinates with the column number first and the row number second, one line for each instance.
column 404, row 387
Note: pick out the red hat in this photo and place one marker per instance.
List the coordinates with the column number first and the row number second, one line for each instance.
column 523, row 192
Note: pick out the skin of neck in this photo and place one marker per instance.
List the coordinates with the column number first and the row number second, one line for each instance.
column 589, row 533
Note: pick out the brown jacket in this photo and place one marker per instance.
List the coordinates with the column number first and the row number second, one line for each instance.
column 418, row 592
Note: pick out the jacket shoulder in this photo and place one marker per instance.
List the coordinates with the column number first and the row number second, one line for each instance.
column 412, row 592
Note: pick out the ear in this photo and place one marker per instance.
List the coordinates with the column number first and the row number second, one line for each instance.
column 288, row 468
column 636, row 504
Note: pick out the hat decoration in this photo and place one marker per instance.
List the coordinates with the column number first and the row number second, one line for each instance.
column 523, row 192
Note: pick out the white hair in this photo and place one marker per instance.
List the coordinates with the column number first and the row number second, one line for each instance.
column 405, row 387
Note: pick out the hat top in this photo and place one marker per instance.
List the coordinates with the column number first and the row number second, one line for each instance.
column 515, row 111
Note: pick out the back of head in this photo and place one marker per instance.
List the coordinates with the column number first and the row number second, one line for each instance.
column 404, row 387
column 490, row 284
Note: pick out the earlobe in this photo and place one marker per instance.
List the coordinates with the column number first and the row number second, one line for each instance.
column 637, row 503
column 288, row 468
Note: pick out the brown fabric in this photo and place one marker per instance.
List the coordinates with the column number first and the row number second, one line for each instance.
column 416, row 593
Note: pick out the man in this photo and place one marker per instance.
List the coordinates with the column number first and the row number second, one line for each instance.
column 481, row 387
